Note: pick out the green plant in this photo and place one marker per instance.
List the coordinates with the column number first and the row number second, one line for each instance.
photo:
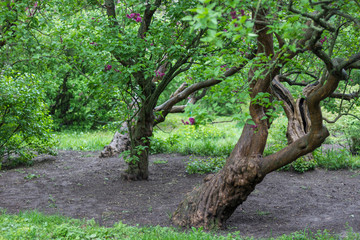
column 24, row 124
column 336, row 159
column 35, row 225
column 352, row 133
column 204, row 165
column 52, row 201
column 302, row 165
column 32, row 176
column 160, row 162
column 83, row 141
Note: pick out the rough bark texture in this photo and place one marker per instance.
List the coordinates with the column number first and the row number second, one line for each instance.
column 118, row 144
column 212, row 203
column 296, row 111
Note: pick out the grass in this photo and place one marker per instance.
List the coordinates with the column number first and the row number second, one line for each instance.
column 34, row 225
column 83, row 141
column 215, row 140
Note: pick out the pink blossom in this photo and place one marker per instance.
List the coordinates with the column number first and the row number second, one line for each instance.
column 233, row 14
column 323, row 40
column 185, row 123
column 151, row 44
column 108, row 67
column 192, row 120
column 134, row 16
column 242, row 12
column 159, row 74
column 116, row 70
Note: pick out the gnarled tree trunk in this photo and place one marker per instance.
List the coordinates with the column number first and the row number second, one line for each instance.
column 212, row 203
column 296, row 111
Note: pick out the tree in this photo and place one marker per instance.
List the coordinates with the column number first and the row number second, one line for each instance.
column 150, row 59
column 212, row 203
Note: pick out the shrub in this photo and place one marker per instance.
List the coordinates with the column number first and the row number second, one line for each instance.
column 301, row 165
column 336, row 159
column 205, row 165
column 24, row 124
column 352, row 133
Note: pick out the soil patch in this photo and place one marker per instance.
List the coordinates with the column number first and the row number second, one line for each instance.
column 82, row 185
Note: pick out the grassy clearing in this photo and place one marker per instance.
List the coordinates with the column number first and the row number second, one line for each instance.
column 83, row 141
column 34, row 225
column 215, row 140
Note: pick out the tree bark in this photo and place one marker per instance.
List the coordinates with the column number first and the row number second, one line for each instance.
column 296, row 111
column 140, row 146
column 119, row 143
column 212, row 203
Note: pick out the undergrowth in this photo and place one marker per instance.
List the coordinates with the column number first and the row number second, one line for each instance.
column 34, row 225
column 215, row 140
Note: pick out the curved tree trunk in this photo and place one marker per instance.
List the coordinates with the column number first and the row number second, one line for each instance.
column 297, row 113
column 212, row 203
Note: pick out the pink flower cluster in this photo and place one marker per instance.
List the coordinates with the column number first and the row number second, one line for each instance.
column 159, row 74
column 191, row 120
column 134, row 16
column 323, row 40
column 253, row 127
column 234, row 14
column 109, row 67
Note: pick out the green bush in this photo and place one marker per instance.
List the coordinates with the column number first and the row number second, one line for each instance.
column 24, row 124
column 204, row 140
column 352, row 133
column 336, row 159
column 301, row 165
column 205, row 165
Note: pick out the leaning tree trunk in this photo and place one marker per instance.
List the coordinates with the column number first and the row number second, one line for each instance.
column 212, row 203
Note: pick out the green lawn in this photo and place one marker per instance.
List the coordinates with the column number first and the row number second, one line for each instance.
column 34, row 225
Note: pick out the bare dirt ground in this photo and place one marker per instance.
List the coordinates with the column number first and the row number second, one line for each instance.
column 81, row 185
